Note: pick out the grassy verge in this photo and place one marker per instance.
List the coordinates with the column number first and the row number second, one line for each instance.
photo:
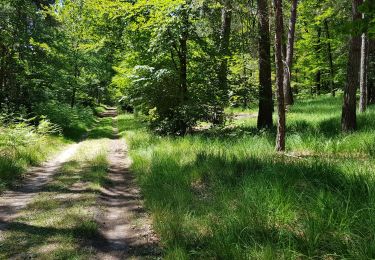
column 225, row 194
column 21, row 147
column 61, row 219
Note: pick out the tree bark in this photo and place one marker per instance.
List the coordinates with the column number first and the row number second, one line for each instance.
column 363, row 74
column 330, row 59
column 288, row 94
column 265, row 83
column 226, row 21
column 371, row 70
column 182, row 55
column 224, row 53
column 349, row 117
column 280, row 138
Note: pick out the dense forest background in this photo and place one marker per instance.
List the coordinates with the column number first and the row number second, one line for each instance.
column 177, row 62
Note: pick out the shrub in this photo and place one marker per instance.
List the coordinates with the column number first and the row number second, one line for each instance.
column 74, row 122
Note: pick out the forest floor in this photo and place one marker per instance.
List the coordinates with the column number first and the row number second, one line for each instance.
column 83, row 204
column 224, row 193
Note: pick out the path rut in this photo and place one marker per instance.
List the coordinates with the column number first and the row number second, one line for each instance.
column 125, row 227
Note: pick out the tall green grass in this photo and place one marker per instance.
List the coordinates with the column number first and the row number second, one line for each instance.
column 28, row 142
column 225, row 194
column 23, row 145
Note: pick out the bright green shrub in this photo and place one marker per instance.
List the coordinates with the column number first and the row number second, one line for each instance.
column 74, row 122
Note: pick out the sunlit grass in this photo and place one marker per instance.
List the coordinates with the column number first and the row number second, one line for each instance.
column 60, row 221
column 226, row 194
column 15, row 160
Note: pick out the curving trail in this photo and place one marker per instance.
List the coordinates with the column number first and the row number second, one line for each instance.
column 12, row 202
column 124, row 227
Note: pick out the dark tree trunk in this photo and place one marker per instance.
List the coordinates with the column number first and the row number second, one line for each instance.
column 288, row 94
column 280, row 138
column 265, row 83
column 330, row 59
column 318, row 75
column 371, row 93
column 224, row 53
column 182, row 56
column 349, row 117
column 75, row 84
column 371, row 72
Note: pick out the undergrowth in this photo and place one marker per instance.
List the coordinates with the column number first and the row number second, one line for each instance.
column 23, row 144
column 225, row 193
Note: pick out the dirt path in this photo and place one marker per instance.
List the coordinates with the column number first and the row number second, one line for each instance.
column 125, row 227
column 124, row 224
column 12, row 202
column 241, row 116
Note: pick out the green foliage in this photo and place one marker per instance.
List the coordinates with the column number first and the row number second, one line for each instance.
column 229, row 195
column 22, row 145
column 74, row 122
column 320, row 24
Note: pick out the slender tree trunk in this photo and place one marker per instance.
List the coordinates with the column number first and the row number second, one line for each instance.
column 280, row 138
column 2, row 73
column 349, row 117
column 226, row 21
column 75, row 84
column 363, row 74
column 288, row 94
column 371, row 71
column 224, row 53
column 182, row 55
column 330, row 59
column 265, row 83
column 371, row 93
column 318, row 75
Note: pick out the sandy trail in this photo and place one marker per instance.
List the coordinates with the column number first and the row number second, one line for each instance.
column 12, row 202
column 125, row 227
column 125, row 230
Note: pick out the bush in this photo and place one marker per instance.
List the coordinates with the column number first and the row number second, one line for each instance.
column 74, row 122
column 156, row 93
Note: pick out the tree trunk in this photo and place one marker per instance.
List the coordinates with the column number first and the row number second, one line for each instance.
column 182, row 55
column 371, row 72
column 265, row 83
column 224, row 53
column 288, row 94
column 318, row 75
column 349, row 117
column 363, row 74
column 330, row 59
column 280, row 138
column 226, row 20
